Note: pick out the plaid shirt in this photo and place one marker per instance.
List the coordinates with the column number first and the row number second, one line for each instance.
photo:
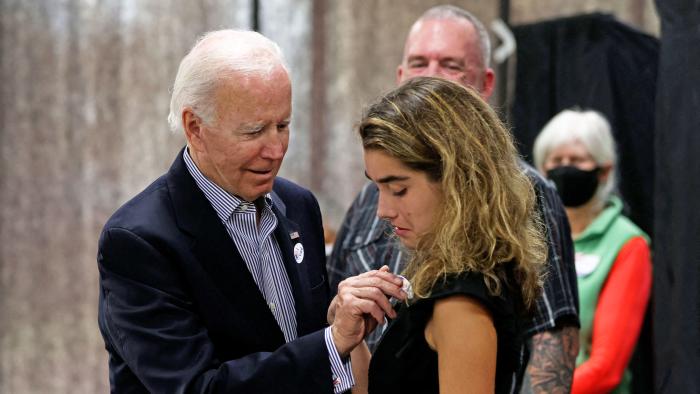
column 364, row 243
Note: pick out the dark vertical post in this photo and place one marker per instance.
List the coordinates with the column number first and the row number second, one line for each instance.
column 676, row 189
column 255, row 15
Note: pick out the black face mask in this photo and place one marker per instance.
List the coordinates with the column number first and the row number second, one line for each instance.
column 575, row 186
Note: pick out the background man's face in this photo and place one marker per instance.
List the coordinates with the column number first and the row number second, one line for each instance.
column 445, row 48
column 242, row 150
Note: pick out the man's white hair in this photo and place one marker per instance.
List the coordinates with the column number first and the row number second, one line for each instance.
column 215, row 57
column 456, row 13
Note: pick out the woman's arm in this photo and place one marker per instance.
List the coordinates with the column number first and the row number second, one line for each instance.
column 462, row 333
column 360, row 357
column 618, row 319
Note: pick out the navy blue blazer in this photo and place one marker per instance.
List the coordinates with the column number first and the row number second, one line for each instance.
column 180, row 312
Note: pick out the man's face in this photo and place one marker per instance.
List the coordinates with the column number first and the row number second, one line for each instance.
column 446, row 48
column 242, row 149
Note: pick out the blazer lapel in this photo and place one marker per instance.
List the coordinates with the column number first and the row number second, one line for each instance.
column 289, row 237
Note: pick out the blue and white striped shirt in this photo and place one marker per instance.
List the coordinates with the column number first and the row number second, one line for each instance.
column 263, row 257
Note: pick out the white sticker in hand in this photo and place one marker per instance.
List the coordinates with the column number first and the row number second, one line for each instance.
column 406, row 287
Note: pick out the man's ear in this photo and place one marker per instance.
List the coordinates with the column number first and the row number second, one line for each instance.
column 489, row 83
column 399, row 74
column 193, row 128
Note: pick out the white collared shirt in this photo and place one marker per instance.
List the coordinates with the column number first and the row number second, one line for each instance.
column 261, row 253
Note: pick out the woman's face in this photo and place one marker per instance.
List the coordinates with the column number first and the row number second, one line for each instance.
column 579, row 177
column 570, row 154
column 408, row 199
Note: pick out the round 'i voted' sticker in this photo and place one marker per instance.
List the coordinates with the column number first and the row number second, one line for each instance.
column 299, row 253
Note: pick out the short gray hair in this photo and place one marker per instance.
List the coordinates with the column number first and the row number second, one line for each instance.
column 453, row 12
column 217, row 56
column 588, row 127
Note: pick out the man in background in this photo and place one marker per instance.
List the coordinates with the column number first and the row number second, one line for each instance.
column 451, row 43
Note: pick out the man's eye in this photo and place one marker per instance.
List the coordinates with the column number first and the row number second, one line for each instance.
column 283, row 126
column 399, row 193
column 416, row 64
column 253, row 131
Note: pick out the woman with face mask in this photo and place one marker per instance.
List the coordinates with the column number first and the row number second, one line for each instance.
column 576, row 151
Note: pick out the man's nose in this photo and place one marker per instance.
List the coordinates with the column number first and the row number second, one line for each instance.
column 434, row 70
column 275, row 147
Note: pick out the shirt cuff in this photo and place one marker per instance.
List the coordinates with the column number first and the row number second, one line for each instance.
column 343, row 380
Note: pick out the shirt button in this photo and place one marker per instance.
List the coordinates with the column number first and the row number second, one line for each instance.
column 272, row 306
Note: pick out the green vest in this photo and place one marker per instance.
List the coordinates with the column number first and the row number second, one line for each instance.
column 596, row 250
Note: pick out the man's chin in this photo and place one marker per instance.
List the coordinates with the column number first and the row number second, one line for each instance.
column 260, row 190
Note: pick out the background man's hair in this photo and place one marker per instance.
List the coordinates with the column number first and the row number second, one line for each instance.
column 453, row 12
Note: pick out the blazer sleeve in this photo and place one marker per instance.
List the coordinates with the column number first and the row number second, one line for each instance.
column 149, row 319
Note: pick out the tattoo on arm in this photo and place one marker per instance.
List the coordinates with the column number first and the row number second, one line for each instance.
column 552, row 361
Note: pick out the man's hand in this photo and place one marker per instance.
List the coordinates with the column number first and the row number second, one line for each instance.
column 361, row 304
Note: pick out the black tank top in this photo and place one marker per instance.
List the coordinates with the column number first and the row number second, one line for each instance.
column 404, row 363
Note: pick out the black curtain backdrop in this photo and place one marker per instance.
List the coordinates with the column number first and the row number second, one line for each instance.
column 595, row 62
column 677, row 188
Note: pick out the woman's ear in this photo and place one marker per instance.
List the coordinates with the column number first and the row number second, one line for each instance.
column 605, row 170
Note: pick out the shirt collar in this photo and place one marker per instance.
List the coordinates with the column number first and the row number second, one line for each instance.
column 604, row 220
column 223, row 202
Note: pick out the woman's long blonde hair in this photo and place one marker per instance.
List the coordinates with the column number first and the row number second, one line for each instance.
column 487, row 218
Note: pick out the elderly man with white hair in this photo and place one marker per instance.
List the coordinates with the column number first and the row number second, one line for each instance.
column 213, row 278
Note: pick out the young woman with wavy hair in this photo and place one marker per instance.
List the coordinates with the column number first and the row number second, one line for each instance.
column 456, row 197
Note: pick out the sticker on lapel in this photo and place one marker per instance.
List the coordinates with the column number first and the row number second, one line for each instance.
column 294, row 235
column 586, row 264
column 299, row 253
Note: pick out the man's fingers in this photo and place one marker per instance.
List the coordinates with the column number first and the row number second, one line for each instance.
column 383, row 273
column 373, row 293
column 330, row 314
column 360, row 308
column 376, row 295
column 368, row 294
column 367, row 307
column 387, row 283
